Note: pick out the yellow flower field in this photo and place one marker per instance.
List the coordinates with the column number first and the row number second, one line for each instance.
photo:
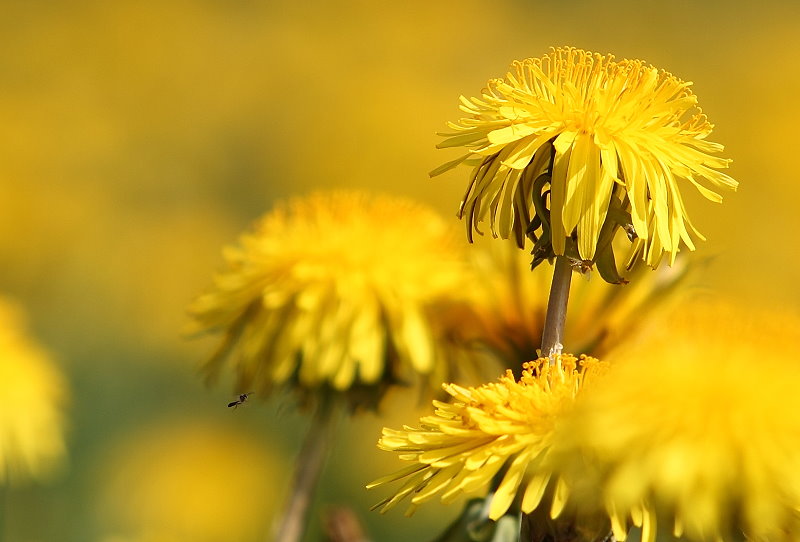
column 139, row 139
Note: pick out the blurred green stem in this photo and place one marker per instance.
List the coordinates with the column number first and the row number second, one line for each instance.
column 3, row 507
column 553, row 333
column 308, row 467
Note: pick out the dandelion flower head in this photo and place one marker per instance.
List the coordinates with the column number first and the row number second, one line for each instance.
column 335, row 290
column 507, row 425
column 696, row 429
column 32, row 396
column 509, row 304
column 601, row 142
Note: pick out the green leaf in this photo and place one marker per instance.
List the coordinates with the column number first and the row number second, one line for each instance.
column 607, row 266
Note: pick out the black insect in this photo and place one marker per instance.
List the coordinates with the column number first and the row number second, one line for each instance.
column 240, row 401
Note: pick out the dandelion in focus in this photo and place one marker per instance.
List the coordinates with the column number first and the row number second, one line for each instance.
column 571, row 146
column 696, row 429
column 335, row 292
column 32, row 397
column 504, row 427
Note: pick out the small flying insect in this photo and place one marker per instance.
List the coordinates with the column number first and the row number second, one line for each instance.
column 241, row 400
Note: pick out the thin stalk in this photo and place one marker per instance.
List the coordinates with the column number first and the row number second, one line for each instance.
column 552, row 337
column 308, row 468
column 342, row 525
column 553, row 332
column 4, row 500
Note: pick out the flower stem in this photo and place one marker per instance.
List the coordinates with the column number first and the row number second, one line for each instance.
column 342, row 525
column 535, row 528
column 4, row 500
column 553, row 332
column 308, row 468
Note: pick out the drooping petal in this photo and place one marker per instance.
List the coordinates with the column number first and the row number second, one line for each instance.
column 563, row 145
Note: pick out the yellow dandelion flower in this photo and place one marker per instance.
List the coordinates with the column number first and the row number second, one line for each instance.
column 603, row 142
column 32, row 395
column 696, row 429
column 332, row 291
column 504, row 427
column 509, row 304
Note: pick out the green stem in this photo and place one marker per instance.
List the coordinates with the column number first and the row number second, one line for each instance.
column 308, row 469
column 553, row 332
column 535, row 526
column 3, row 506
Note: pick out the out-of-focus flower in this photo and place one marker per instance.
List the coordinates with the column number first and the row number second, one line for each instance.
column 696, row 428
column 335, row 291
column 507, row 425
column 509, row 303
column 32, row 395
column 601, row 142
column 188, row 481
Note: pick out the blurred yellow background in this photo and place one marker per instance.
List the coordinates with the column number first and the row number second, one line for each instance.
column 136, row 139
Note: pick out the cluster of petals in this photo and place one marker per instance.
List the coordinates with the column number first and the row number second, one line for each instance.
column 508, row 424
column 696, row 429
column 599, row 129
column 509, row 303
column 331, row 291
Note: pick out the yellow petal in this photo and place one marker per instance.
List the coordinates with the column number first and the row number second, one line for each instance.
column 447, row 166
column 577, row 177
column 636, row 186
column 510, row 134
column 505, row 494
column 560, row 497
column 436, row 482
column 525, row 149
column 416, row 339
column 649, row 527
column 558, row 188
column 535, row 491
column 595, row 201
column 618, row 523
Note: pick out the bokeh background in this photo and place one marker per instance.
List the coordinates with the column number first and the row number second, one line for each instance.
column 138, row 138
